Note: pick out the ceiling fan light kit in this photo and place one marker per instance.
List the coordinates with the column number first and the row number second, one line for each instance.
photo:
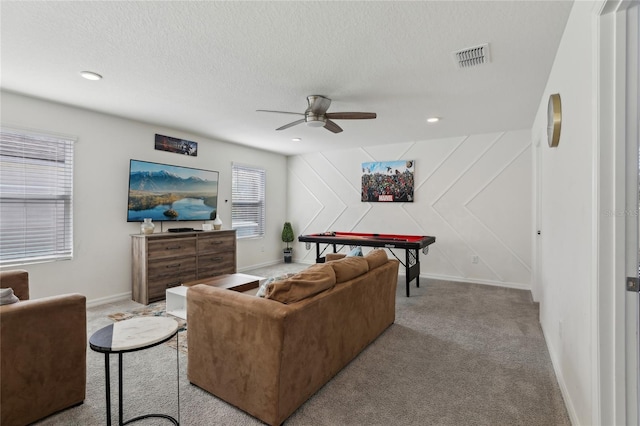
column 90, row 75
column 315, row 122
column 316, row 115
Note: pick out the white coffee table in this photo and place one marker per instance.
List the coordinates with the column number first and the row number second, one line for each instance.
column 177, row 301
column 176, row 297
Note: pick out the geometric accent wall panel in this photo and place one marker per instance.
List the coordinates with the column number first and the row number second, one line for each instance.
column 472, row 192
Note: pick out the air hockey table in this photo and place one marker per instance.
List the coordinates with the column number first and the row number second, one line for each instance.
column 411, row 244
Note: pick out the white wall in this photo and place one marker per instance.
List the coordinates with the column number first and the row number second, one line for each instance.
column 565, row 267
column 473, row 193
column 101, row 267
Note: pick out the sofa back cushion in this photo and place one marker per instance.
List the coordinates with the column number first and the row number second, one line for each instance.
column 377, row 257
column 348, row 268
column 307, row 283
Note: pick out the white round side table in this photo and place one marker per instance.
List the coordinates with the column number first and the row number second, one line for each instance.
column 131, row 335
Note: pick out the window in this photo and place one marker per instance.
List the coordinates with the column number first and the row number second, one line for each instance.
column 247, row 201
column 36, row 183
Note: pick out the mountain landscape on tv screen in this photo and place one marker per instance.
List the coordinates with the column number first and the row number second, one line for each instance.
column 163, row 195
column 167, row 181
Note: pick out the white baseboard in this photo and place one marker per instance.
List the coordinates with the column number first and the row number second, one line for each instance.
column 259, row 265
column 271, row 263
column 109, row 299
column 518, row 286
column 568, row 403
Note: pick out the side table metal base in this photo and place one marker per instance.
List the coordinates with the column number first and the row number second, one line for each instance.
column 146, row 416
column 149, row 332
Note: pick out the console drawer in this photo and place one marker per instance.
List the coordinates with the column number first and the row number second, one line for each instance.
column 171, row 267
column 157, row 287
column 216, row 244
column 212, row 264
column 158, row 249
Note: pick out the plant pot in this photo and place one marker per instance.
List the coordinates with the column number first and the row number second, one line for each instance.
column 287, row 255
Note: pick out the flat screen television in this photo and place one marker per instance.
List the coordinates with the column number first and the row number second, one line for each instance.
column 170, row 193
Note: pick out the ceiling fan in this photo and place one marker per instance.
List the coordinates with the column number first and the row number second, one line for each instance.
column 316, row 115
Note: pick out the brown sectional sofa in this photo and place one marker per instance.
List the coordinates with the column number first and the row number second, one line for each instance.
column 267, row 356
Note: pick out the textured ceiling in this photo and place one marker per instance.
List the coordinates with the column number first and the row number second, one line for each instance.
column 206, row 67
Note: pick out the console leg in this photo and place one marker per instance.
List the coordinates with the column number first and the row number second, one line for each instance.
column 107, row 383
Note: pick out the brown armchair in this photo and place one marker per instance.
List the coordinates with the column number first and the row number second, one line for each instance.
column 43, row 353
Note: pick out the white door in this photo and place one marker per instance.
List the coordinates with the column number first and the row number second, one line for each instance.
column 618, row 374
column 632, row 216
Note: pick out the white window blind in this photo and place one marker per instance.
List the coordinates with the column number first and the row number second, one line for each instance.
column 36, row 184
column 247, row 201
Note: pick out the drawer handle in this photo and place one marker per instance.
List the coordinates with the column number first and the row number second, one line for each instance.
column 216, row 258
column 173, row 247
column 215, row 242
column 173, row 284
column 175, row 265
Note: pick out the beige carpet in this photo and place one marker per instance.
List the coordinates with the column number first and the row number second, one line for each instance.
column 458, row 354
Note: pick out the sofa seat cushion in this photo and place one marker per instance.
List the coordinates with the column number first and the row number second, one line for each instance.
column 376, row 258
column 348, row 268
column 307, row 283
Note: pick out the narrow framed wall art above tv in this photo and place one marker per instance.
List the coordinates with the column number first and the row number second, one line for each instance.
column 164, row 192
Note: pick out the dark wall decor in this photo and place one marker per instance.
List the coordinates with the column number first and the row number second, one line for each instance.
column 180, row 146
column 387, row 181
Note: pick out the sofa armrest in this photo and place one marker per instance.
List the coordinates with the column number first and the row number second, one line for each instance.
column 18, row 281
column 42, row 357
column 235, row 345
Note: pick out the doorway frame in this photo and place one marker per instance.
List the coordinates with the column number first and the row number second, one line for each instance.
column 615, row 374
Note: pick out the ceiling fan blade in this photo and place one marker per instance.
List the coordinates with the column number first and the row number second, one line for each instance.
column 279, row 112
column 330, row 125
column 318, row 104
column 286, row 126
column 350, row 115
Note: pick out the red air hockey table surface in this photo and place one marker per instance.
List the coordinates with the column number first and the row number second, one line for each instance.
column 411, row 244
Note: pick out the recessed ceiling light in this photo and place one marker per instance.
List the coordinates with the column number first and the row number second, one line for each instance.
column 91, row 75
column 296, row 139
column 433, row 119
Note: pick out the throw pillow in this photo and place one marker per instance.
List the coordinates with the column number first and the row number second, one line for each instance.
column 355, row 252
column 304, row 284
column 7, row 297
column 377, row 257
column 262, row 290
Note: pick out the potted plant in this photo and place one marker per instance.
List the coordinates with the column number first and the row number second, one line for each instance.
column 287, row 237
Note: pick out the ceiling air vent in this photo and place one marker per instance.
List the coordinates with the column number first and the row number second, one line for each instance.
column 472, row 56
